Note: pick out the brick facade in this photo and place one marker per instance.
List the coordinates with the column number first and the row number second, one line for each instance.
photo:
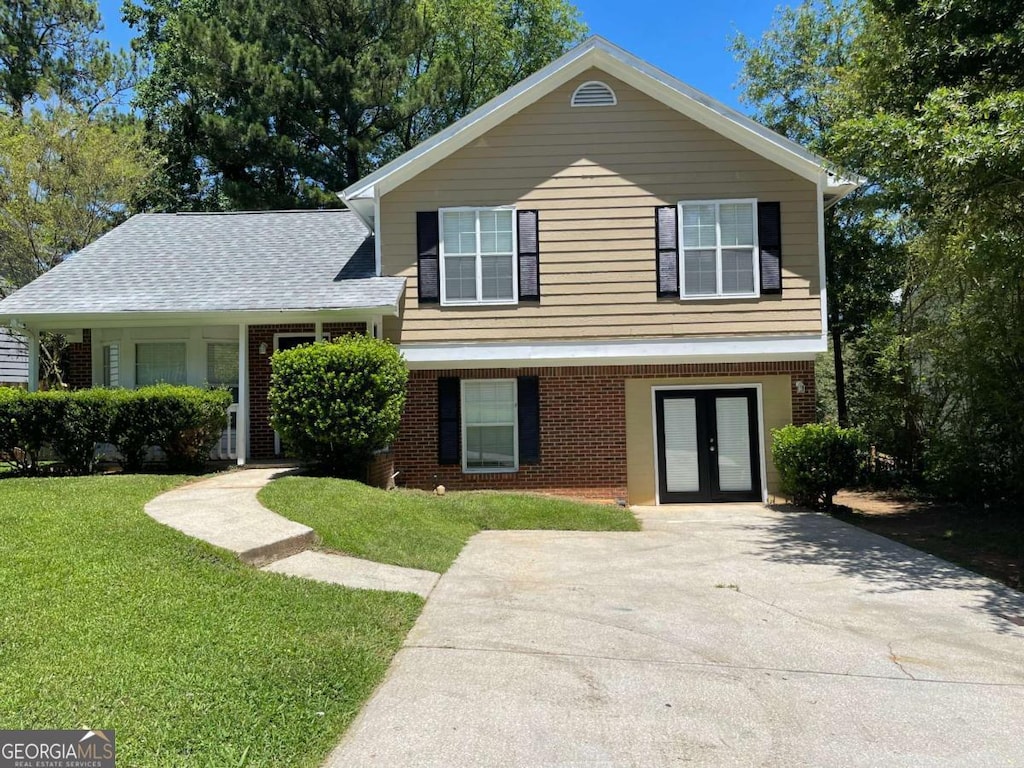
column 77, row 362
column 261, row 435
column 804, row 406
column 582, row 423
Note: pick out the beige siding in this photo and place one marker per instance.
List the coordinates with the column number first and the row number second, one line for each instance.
column 596, row 175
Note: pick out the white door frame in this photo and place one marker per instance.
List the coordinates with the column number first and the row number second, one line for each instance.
column 712, row 387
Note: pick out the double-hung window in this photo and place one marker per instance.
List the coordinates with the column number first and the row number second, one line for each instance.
column 718, row 245
column 489, row 425
column 162, row 362
column 478, row 263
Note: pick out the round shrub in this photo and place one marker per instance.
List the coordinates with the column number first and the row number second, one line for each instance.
column 816, row 460
column 336, row 403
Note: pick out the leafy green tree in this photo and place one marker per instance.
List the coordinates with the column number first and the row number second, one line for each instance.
column 65, row 179
column 472, row 51
column 793, row 78
column 950, row 142
column 52, row 49
column 273, row 103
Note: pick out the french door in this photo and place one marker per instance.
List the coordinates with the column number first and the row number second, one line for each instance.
column 708, row 445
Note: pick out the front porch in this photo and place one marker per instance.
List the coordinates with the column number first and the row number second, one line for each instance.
column 236, row 356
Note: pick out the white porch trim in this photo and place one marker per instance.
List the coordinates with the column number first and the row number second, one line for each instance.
column 33, row 361
column 242, row 418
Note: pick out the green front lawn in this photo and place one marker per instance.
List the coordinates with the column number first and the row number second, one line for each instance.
column 421, row 530
column 110, row 620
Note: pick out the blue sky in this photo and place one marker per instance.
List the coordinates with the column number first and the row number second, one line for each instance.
column 686, row 38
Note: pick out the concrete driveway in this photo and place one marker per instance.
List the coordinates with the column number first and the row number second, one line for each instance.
column 730, row 635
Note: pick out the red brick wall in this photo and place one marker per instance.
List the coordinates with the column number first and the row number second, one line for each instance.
column 583, row 425
column 804, row 410
column 261, row 436
column 78, row 363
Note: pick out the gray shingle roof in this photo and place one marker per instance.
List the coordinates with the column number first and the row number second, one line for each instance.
column 165, row 262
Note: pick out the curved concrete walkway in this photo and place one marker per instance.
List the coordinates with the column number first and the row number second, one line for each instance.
column 224, row 511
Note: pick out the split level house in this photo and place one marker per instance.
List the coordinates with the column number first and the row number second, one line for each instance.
column 604, row 282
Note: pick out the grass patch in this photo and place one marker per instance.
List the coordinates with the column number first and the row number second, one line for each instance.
column 111, row 620
column 417, row 528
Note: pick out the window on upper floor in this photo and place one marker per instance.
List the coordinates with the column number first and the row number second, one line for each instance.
column 478, row 256
column 718, row 249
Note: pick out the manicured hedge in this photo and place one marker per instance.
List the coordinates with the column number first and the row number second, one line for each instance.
column 185, row 422
column 336, row 403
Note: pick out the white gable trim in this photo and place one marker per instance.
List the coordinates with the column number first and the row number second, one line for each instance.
column 596, row 52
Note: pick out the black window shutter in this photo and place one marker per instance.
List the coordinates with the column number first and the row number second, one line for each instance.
column 529, row 255
column 769, row 239
column 427, row 249
column 449, row 422
column 666, row 236
column 528, row 398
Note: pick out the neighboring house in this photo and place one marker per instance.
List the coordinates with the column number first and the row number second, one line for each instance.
column 605, row 283
column 13, row 359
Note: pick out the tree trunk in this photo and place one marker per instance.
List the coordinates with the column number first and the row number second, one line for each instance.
column 837, row 352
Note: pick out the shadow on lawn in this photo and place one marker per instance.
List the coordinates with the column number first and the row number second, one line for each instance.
column 807, row 538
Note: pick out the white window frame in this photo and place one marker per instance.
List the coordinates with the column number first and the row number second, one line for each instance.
column 755, row 250
column 480, row 301
column 109, row 375
column 159, row 342
column 465, row 427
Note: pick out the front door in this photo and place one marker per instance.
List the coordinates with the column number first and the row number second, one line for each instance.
column 708, row 445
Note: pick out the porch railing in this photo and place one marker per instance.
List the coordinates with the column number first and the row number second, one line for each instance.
column 227, row 447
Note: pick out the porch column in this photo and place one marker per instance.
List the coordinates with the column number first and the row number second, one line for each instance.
column 242, row 417
column 33, row 360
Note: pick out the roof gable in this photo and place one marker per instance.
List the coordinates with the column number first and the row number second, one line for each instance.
column 598, row 53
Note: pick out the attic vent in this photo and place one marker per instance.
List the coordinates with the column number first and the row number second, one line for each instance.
column 593, row 94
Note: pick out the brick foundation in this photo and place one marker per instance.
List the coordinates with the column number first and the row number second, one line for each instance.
column 381, row 468
column 261, row 436
column 583, row 425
